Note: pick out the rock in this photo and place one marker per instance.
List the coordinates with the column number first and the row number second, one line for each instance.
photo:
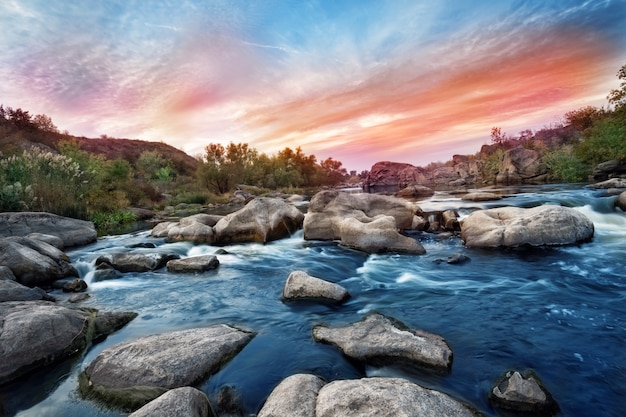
column 33, row 262
column 193, row 264
column 522, row 393
column 612, row 183
column 621, row 201
column 386, row 397
column 521, row 165
column 261, row 220
column 481, row 196
column 73, row 232
column 450, row 220
column 388, row 175
column 142, row 245
column 415, row 191
column 515, row 227
column 608, row 169
column 14, row 291
column 108, row 322
column 77, row 298
column 104, row 272
column 55, row 241
column 6, row 273
column 76, row 285
column 197, row 229
column 295, row 396
column 457, row 258
column 130, row 374
column 377, row 236
column 328, row 210
column 39, row 333
column 443, row 176
column 378, row 341
column 184, row 401
column 162, row 229
column 302, row 286
column 229, row 403
column 141, row 213
column 135, row 262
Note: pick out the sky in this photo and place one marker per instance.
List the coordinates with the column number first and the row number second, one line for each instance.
column 361, row 81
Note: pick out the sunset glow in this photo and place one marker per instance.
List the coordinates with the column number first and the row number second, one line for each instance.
column 359, row 81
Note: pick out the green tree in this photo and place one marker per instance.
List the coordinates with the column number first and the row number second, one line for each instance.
column 221, row 168
column 617, row 97
column 604, row 141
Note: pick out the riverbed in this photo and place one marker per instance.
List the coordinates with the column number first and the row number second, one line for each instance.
column 558, row 311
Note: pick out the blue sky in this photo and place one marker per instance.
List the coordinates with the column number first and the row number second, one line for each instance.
column 361, row 81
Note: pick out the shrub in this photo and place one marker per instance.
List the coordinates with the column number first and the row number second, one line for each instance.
column 604, row 141
column 563, row 165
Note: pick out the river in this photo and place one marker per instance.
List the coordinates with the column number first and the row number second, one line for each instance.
column 559, row 311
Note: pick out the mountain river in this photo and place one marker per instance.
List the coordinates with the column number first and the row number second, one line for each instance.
column 559, row 311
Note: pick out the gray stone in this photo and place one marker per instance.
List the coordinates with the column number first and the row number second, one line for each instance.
column 395, row 397
column 197, row 228
column 457, row 258
column 621, row 201
column 300, row 285
column 295, row 396
column 415, row 191
column 6, row 273
column 193, row 264
column 133, row 373
column 377, row 236
column 379, row 341
column 184, row 401
column 162, row 229
column 610, row 183
column 76, row 285
column 481, row 196
column 73, row 232
column 78, row 297
column 515, row 227
column 261, row 220
column 55, row 241
column 33, row 262
column 107, row 322
column 14, row 291
column 522, row 393
column 135, row 262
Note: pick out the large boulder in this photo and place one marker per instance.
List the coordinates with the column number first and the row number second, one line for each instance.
column 523, row 393
column 515, row 227
column 415, row 191
column 131, row 374
column 73, row 232
column 261, row 220
column 39, row 333
column 302, row 286
column 34, row 262
column 329, row 209
column 184, row 401
column 304, row 395
column 197, row 228
column 621, row 201
column 377, row 236
column 386, row 175
column 608, row 184
column 135, row 262
column 193, row 264
column 14, row 291
column 521, row 165
column 608, row 169
column 295, row 396
column 379, row 341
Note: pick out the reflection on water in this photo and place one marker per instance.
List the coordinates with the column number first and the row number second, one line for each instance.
column 560, row 311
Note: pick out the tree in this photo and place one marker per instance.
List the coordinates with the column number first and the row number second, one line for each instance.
column 583, row 118
column 43, row 122
column 333, row 171
column 224, row 167
column 617, row 97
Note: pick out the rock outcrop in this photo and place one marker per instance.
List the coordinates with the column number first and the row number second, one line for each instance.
column 379, row 341
column 133, row 373
column 72, row 232
column 359, row 398
column 302, row 286
column 608, row 169
column 515, row 227
column 261, row 220
column 523, row 393
column 184, row 401
column 379, row 235
column 193, row 264
column 521, row 165
column 392, row 176
column 34, row 262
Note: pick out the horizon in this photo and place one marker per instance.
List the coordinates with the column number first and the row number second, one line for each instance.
column 358, row 81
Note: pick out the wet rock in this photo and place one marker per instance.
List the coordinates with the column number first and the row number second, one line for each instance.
column 610, row 183
column 450, row 220
column 77, row 298
column 135, row 262
column 76, row 285
column 302, row 286
column 457, row 258
column 621, row 201
column 523, row 393
column 193, row 264
column 6, row 273
column 379, row 341
column 329, row 209
column 386, row 397
column 377, row 236
column 142, row 245
column 133, row 373
column 515, row 227
column 55, row 241
column 104, row 272
column 481, row 196
column 295, row 396
column 229, row 403
column 39, row 333
column 197, row 229
column 72, row 232
column 184, row 401
column 14, row 291
column 415, row 191
column 34, row 262
column 107, row 322
column 261, row 220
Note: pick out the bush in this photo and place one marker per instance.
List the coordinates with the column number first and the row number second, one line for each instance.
column 106, row 223
column 563, row 165
column 604, row 141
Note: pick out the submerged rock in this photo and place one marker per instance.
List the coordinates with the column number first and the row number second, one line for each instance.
column 130, row 374
column 379, row 341
column 184, row 401
column 261, row 220
column 302, row 286
column 523, row 393
column 72, row 232
column 377, row 236
column 193, row 264
column 514, row 227
column 303, row 395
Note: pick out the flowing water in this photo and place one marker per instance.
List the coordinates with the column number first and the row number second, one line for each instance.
column 559, row 311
